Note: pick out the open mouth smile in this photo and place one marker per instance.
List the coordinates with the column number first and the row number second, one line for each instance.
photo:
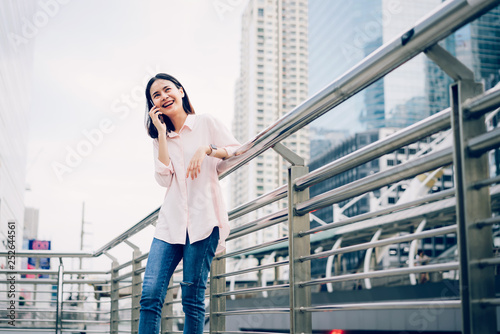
column 167, row 104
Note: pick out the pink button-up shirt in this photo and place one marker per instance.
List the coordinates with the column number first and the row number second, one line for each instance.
column 195, row 206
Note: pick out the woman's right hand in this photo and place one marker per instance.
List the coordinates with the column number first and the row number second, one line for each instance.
column 155, row 113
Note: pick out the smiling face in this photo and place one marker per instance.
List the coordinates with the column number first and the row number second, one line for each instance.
column 167, row 97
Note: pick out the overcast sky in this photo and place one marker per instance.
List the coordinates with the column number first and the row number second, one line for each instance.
column 91, row 62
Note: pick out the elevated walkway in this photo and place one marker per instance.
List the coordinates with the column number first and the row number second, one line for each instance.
column 462, row 294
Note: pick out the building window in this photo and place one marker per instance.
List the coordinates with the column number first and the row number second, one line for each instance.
column 261, row 12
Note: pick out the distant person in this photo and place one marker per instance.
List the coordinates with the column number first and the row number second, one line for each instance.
column 422, row 260
column 192, row 222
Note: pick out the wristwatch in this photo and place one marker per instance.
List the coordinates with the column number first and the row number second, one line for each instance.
column 214, row 150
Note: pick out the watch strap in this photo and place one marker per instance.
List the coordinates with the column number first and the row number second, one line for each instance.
column 214, row 150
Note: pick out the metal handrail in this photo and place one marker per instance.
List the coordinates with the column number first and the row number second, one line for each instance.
column 424, row 35
column 54, row 272
column 258, row 202
column 384, row 305
column 253, row 310
column 449, row 17
column 483, row 103
column 424, row 128
column 258, row 224
column 488, row 221
column 252, row 269
column 437, row 122
column 252, row 248
column 486, row 182
column 384, row 242
column 45, row 253
column 145, row 222
column 427, row 199
column 253, row 290
column 384, row 273
column 397, row 173
column 484, row 142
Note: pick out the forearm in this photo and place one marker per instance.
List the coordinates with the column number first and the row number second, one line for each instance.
column 163, row 155
column 219, row 153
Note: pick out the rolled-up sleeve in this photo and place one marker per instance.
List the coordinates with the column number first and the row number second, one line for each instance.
column 163, row 173
column 223, row 138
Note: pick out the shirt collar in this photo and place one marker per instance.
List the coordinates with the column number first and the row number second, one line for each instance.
column 189, row 122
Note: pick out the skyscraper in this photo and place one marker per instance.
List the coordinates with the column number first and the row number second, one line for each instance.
column 477, row 45
column 343, row 33
column 16, row 45
column 273, row 80
column 406, row 89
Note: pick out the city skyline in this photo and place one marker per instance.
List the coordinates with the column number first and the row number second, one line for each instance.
column 393, row 102
column 77, row 101
column 87, row 79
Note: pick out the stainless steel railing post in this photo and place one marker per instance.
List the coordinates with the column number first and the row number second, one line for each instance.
column 59, row 297
column 166, row 324
column 217, row 303
column 136, row 290
column 115, row 296
column 300, row 322
column 472, row 205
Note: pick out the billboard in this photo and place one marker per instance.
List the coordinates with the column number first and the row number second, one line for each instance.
column 34, row 244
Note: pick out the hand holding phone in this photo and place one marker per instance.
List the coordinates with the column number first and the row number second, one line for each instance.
column 160, row 116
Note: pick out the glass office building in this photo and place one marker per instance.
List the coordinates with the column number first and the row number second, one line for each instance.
column 342, row 33
column 477, row 45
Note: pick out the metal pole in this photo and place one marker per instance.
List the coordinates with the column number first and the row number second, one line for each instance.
column 472, row 205
column 136, row 290
column 80, row 286
column 59, row 297
column 300, row 322
column 115, row 296
column 217, row 303
column 168, row 309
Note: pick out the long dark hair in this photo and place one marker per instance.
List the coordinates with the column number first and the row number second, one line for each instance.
column 186, row 104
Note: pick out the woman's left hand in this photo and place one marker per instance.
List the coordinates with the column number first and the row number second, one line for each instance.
column 194, row 167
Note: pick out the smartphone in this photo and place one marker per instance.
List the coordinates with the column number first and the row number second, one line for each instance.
column 160, row 117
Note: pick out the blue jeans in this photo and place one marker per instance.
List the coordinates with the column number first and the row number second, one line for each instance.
column 162, row 260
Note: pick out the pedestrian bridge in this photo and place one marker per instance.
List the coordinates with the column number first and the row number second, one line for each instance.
column 312, row 291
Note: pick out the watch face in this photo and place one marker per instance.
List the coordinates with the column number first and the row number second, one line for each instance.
column 213, row 146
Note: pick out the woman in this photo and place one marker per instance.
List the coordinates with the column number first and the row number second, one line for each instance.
column 192, row 222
